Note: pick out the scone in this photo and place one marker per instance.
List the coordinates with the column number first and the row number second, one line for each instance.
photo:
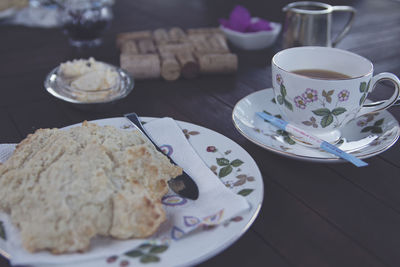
column 63, row 187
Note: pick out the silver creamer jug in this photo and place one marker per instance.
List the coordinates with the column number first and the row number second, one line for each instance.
column 310, row 23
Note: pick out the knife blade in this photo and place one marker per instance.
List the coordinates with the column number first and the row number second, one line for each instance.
column 183, row 185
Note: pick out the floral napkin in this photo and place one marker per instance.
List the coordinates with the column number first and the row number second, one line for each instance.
column 216, row 204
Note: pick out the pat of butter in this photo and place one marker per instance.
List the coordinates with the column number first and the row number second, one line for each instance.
column 89, row 75
column 91, row 81
column 79, row 67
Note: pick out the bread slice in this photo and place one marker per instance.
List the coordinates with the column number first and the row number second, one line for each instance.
column 63, row 187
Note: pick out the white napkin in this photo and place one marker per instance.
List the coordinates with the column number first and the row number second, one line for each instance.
column 41, row 16
column 216, row 204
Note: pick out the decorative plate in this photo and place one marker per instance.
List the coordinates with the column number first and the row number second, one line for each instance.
column 244, row 178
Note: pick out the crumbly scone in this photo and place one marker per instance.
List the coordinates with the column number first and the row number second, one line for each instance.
column 63, row 187
column 6, row 4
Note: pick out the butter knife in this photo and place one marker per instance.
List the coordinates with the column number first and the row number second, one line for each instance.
column 183, row 185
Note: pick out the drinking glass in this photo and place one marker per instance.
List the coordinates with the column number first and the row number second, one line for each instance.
column 84, row 21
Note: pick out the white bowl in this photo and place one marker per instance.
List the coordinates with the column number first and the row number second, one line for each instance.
column 253, row 40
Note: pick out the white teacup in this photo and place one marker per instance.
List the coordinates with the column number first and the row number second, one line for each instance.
column 322, row 106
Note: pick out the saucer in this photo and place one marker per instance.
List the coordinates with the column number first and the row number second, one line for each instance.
column 363, row 137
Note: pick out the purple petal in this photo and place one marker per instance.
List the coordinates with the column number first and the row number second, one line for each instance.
column 239, row 19
column 260, row 25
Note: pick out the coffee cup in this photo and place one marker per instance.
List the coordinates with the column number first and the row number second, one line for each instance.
column 321, row 89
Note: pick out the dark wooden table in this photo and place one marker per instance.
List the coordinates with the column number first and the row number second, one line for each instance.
column 313, row 214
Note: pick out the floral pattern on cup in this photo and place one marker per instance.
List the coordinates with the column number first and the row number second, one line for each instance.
column 279, row 79
column 2, row 231
column 327, row 95
column 281, row 99
column 330, row 109
column 327, row 115
column 364, row 88
column 343, row 95
column 310, row 95
column 300, row 102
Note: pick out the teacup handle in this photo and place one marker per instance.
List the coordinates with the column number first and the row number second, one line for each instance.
column 348, row 25
column 381, row 105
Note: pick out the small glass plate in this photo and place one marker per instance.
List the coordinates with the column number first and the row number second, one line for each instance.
column 56, row 85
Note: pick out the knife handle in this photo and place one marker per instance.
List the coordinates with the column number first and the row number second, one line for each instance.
column 133, row 117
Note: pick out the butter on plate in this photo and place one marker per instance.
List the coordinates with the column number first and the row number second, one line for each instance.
column 88, row 75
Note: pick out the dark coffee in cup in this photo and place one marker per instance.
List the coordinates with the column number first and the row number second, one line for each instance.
column 322, row 74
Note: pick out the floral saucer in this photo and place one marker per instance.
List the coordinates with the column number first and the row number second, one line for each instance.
column 363, row 137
